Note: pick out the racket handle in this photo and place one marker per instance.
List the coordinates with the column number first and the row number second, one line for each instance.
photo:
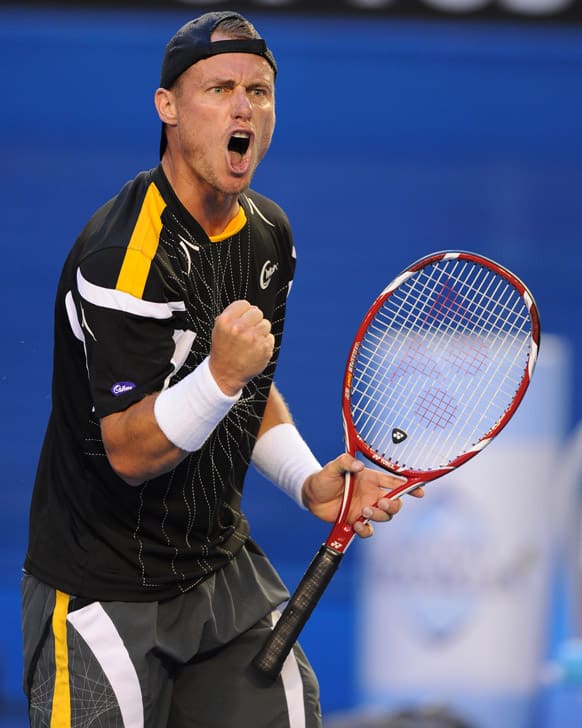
column 269, row 660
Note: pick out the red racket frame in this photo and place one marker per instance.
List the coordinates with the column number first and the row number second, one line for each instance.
column 342, row 533
column 269, row 661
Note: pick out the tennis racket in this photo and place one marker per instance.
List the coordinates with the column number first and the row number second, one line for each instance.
column 437, row 368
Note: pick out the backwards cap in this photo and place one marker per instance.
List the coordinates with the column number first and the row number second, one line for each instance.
column 192, row 44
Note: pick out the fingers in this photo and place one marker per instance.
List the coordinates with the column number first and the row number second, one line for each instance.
column 253, row 327
column 417, row 492
column 363, row 529
column 242, row 317
column 242, row 345
column 371, row 501
column 244, row 314
column 383, row 511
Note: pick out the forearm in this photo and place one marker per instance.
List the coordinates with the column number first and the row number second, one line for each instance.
column 139, row 449
column 280, row 452
column 152, row 436
column 276, row 412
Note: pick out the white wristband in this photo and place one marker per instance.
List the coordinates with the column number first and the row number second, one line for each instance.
column 189, row 411
column 283, row 456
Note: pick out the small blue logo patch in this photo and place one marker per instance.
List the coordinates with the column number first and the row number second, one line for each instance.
column 120, row 388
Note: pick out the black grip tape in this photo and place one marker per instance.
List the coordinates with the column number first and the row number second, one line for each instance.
column 273, row 654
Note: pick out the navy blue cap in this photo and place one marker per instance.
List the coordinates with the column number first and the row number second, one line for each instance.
column 192, row 43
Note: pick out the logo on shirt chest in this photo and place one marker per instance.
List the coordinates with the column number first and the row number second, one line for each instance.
column 267, row 272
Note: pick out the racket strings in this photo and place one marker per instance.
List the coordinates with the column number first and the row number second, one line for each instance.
column 446, row 352
column 436, row 405
column 418, row 355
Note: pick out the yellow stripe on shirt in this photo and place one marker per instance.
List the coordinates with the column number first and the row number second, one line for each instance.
column 142, row 245
column 61, row 708
column 234, row 226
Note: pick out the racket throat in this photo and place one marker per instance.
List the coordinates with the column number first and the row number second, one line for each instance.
column 342, row 533
column 341, row 536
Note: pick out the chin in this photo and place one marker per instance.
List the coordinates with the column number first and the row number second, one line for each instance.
column 236, row 186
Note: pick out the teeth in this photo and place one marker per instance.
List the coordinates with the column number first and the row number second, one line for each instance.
column 241, row 134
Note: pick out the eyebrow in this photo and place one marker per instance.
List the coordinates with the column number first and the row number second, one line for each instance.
column 229, row 79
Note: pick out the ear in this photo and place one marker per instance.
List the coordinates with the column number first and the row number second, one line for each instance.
column 165, row 106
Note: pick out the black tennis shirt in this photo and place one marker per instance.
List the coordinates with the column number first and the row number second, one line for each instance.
column 134, row 312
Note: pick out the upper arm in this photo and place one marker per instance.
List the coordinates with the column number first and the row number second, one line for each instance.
column 129, row 342
column 136, row 447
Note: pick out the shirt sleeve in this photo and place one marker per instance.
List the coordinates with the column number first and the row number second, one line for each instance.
column 130, row 342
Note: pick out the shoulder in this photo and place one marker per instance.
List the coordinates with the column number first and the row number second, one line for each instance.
column 129, row 221
column 263, row 211
column 115, row 221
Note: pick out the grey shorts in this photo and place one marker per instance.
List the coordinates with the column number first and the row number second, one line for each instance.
column 173, row 664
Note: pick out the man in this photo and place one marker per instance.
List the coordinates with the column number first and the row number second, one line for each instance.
column 144, row 600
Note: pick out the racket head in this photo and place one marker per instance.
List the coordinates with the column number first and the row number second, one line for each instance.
column 439, row 365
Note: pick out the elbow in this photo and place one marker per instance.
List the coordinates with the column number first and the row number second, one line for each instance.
column 122, row 468
column 128, row 480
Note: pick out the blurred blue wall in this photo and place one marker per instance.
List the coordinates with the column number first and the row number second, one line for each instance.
column 394, row 139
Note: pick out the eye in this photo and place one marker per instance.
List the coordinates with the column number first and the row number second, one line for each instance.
column 220, row 88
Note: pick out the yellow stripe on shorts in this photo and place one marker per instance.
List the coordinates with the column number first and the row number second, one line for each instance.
column 142, row 245
column 61, row 709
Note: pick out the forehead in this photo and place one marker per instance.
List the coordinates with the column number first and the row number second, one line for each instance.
column 233, row 66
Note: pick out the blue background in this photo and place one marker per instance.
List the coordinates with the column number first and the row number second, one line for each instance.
column 394, row 139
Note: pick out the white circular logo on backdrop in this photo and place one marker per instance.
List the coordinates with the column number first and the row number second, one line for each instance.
column 447, row 563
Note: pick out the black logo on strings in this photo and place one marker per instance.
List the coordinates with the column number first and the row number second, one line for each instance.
column 398, row 436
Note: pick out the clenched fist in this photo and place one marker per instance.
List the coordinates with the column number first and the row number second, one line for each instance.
column 242, row 346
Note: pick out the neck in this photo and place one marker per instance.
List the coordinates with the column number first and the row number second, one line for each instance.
column 212, row 209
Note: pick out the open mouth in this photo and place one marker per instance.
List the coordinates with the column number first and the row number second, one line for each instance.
column 239, row 143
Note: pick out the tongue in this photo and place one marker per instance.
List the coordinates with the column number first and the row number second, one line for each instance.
column 238, row 162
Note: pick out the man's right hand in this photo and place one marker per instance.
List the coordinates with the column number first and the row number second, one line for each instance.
column 242, row 346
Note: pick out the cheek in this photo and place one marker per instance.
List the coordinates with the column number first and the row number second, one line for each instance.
column 197, row 120
column 201, row 137
column 267, row 130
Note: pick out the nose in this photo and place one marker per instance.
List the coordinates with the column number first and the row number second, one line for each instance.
column 241, row 105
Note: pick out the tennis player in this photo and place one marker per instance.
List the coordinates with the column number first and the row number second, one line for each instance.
column 144, row 599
